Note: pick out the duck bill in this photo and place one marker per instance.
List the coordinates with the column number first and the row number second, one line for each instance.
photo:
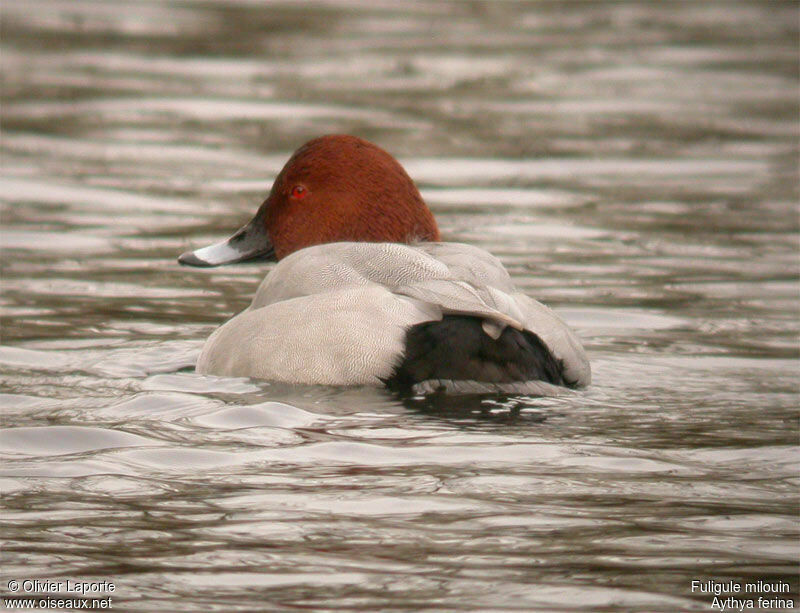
column 250, row 242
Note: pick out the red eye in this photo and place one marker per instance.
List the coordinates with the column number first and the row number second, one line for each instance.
column 298, row 192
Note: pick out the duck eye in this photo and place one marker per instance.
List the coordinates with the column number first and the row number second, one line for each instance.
column 298, row 192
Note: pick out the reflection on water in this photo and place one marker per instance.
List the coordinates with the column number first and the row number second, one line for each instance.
column 633, row 164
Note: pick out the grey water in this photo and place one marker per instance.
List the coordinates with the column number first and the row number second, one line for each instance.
column 633, row 164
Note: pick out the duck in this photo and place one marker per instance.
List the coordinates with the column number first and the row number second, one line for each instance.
column 366, row 293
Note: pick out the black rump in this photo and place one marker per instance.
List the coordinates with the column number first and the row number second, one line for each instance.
column 456, row 348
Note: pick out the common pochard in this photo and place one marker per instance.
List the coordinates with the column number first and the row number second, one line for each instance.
column 364, row 292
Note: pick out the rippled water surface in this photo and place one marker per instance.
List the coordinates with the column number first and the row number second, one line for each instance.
column 634, row 165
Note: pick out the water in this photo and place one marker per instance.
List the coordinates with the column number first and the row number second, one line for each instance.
column 633, row 164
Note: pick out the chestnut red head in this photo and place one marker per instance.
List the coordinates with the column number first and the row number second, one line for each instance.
column 334, row 188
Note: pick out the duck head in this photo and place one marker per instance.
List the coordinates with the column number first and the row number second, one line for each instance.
column 334, row 188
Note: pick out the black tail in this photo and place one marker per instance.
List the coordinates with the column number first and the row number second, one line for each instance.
column 456, row 348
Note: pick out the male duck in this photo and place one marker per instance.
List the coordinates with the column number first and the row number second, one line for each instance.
column 364, row 294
